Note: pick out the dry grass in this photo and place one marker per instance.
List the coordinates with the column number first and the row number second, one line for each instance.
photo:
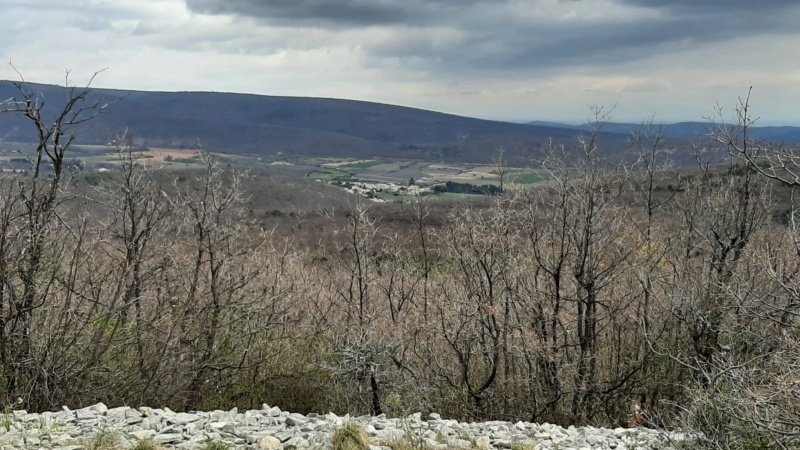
column 105, row 440
column 351, row 436
column 160, row 155
column 347, row 163
column 147, row 444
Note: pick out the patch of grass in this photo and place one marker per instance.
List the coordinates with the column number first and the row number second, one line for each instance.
column 104, row 440
column 216, row 445
column 415, row 440
column 271, row 158
column 528, row 178
column 147, row 444
column 394, row 197
column 328, row 174
column 471, row 439
column 8, row 418
column 519, row 446
column 454, row 196
column 362, row 165
column 350, row 437
column 188, row 160
column 405, row 444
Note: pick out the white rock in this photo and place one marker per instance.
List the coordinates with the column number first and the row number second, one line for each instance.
column 594, row 439
column 267, row 428
column 503, row 443
column 118, row 414
column 183, row 418
column 168, row 438
column 99, row 408
column 148, row 423
column 295, row 420
column 297, row 442
column 133, row 420
column 85, row 414
column 268, row 443
column 143, row 435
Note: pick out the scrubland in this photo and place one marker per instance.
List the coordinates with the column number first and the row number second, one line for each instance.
column 609, row 295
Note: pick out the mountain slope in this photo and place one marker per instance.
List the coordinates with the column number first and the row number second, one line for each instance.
column 242, row 123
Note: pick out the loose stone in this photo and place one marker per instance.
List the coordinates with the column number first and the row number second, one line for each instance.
column 272, row 429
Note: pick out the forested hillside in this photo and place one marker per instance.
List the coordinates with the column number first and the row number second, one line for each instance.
column 267, row 125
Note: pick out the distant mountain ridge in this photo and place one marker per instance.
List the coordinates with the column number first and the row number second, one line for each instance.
column 255, row 124
column 688, row 130
column 268, row 125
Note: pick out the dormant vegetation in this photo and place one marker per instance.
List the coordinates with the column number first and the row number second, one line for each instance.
column 609, row 295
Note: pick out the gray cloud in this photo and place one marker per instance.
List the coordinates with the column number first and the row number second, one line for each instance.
column 495, row 37
column 647, row 86
column 474, row 57
column 715, row 6
column 331, row 13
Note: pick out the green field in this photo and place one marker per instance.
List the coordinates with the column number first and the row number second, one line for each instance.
column 362, row 165
column 272, row 158
column 519, row 177
column 328, row 174
column 528, row 178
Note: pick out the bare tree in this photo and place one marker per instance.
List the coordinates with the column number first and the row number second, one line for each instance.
column 139, row 213
column 418, row 211
column 500, row 167
column 775, row 161
column 31, row 211
column 734, row 300
column 353, row 272
column 721, row 214
column 593, row 229
column 545, row 219
column 221, row 272
column 474, row 313
column 650, row 219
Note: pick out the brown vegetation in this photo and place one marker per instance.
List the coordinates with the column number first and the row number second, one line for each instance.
column 567, row 303
column 160, row 155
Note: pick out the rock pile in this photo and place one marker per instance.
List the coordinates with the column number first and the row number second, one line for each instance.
column 270, row 428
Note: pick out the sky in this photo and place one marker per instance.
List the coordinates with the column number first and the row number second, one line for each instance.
column 514, row 60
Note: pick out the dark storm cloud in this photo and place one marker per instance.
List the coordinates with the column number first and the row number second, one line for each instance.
column 332, row 13
column 494, row 36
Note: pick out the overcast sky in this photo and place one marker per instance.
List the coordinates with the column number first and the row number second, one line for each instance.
column 513, row 60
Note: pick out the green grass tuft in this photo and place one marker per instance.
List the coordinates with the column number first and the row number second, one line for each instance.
column 147, row 444
column 216, row 445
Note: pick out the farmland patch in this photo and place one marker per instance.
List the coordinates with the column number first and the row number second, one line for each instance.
column 328, row 174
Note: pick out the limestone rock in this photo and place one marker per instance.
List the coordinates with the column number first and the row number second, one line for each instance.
column 269, row 443
column 272, row 429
